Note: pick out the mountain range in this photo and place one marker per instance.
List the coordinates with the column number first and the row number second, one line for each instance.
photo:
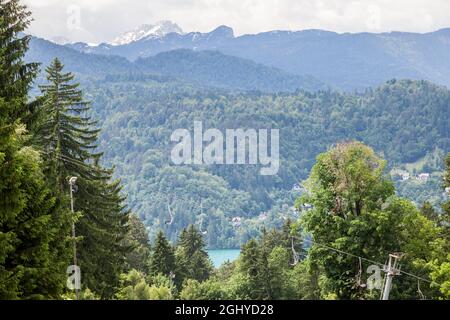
column 349, row 61
column 146, row 31
column 204, row 68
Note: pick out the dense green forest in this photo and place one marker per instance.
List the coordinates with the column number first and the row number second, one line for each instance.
column 355, row 222
column 405, row 121
column 309, row 232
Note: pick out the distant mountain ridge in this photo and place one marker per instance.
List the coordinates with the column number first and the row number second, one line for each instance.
column 45, row 51
column 204, row 68
column 213, row 68
column 349, row 60
column 145, row 31
column 148, row 46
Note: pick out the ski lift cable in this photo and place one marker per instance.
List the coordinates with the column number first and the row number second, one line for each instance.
column 294, row 253
column 201, row 218
column 368, row 260
column 170, row 221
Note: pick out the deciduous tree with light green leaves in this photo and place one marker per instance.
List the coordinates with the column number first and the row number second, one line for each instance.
column 133, row 286
column 441, row 256
column 356, row 211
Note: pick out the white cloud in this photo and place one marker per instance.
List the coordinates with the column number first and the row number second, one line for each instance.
column 102, row 20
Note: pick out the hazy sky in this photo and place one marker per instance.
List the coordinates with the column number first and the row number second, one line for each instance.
column 103, row 20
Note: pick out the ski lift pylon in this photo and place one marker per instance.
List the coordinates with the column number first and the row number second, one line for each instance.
column 295, row 254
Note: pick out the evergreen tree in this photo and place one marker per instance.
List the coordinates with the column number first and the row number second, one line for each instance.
column 28, row 261
column 16, row 76
column 162, row 260
column 265, row 267
column 67, row 136
column 191, row 258
column 137, row 240
column 289, row 237
column 30, row 265
column 282, row 282
column 250, row 267
column 265, row 276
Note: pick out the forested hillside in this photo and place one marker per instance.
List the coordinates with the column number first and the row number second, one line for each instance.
column 212, row 68
column 403, row 120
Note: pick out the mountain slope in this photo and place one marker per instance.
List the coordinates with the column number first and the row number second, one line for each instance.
column 155, row 31
column 403, row 120
column 44, row 51
column 212, row 68
column 347, row 61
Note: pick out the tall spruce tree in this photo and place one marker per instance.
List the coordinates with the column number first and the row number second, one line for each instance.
column 30, row 266
column 16, row 76
column 67, row 136
column 137, row 240
column 163, row 258
column 191, row 257
column 262, row 267
column 249, row 266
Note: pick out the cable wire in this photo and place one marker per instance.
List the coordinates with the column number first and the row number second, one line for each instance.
column 368, row 260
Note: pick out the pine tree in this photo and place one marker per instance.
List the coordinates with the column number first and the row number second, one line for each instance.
column 137, row 240
column 67, row 136
column 27, row 207
column 265, row 277
column 162, row 259
column 16, row 76
column 254, row 264
column 249, row 266
column 191, row 258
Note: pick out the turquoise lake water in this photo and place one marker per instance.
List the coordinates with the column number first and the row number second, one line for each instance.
column 219, row 256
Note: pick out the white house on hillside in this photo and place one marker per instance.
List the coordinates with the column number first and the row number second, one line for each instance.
column 405, row 176
column 423, row 176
